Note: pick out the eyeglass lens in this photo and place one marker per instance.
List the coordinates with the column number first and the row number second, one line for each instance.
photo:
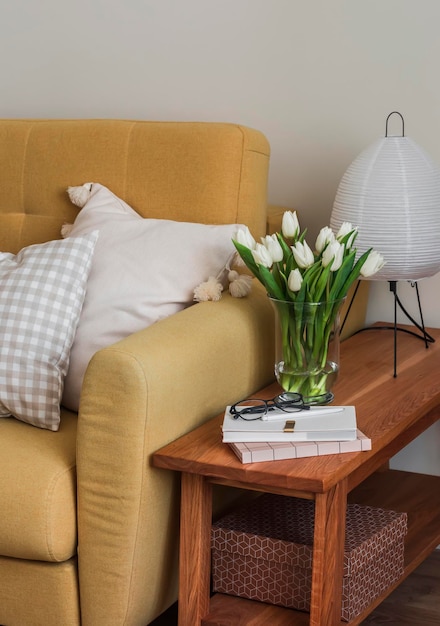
column 255, row 408
column 250, row 409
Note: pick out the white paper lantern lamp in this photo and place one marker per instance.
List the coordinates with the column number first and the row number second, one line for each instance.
column 391, row 191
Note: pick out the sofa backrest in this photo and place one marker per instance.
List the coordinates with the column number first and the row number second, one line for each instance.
column 214, row 173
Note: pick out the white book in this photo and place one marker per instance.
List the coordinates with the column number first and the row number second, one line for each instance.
column 333, row 423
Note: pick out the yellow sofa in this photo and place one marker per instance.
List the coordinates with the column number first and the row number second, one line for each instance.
column 88, row 528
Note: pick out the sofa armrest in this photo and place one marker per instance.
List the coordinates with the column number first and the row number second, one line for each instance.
column 138, row 395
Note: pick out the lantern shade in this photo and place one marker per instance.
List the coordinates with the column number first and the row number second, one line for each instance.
column 391, row 192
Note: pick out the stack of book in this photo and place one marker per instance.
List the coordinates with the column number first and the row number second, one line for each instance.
column 318, row 431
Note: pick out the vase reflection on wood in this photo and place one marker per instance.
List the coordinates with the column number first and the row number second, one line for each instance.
column 307, row 337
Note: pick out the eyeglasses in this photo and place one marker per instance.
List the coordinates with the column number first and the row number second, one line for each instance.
column 255, row 408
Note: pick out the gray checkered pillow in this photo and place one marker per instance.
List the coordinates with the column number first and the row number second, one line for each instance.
column 42, row 290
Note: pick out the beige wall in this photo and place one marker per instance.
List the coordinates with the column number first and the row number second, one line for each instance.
column 317, row 76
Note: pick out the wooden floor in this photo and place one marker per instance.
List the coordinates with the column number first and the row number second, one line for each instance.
column 416, row 602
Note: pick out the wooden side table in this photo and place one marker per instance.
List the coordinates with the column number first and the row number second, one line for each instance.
column 391, row 411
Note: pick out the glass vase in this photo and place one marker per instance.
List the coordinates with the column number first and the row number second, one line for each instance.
column 307, row 338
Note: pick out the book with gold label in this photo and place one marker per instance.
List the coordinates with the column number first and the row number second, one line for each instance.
column 330, row 423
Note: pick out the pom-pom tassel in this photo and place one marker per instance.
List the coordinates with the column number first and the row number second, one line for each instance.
column 239, row 284
column 80, row 195
column 65, row 230
column 209, row 290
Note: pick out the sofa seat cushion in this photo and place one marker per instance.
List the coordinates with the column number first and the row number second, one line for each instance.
column 38, row 490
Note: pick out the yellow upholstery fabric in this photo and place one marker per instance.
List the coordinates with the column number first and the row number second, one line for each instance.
column 38, row 490
column 138, row 394
column 167, row 395
column 36, row 593
column 196, row 172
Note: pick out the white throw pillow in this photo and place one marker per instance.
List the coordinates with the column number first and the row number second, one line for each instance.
column 143, row 271
column 42, row 290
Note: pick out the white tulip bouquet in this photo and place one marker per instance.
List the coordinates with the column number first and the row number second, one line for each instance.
column 289, row 269
column 297, row 279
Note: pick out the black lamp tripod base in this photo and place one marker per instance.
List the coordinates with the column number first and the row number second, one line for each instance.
column 422, row 334
column 420, row 326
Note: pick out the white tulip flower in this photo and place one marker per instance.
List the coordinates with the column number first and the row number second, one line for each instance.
column 290, row 224
column 303, row 254
column 345, row 229
column 373, row 264
column 262, row 255
column 244, row 237
column 273, row 245
column 334, row 254
column 295, row 279
column 325, row 236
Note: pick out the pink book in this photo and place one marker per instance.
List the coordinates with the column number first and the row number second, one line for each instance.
column 261, row 451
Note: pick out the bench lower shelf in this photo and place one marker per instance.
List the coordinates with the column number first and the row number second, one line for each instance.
column 417, row 494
